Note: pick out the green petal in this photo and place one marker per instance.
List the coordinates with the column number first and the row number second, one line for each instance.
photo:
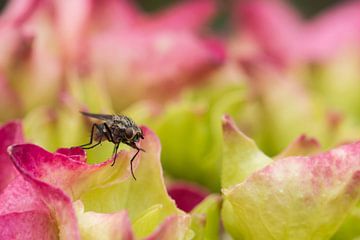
column 144, row 197
column 206, row 218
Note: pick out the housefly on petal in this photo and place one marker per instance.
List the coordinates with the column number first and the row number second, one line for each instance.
column 116, row 129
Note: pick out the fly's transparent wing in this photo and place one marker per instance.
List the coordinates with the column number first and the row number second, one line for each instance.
column 104, row 117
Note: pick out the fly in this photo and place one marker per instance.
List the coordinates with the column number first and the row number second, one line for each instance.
column 116, row 129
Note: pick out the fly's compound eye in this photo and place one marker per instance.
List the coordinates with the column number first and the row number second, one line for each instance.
column 129, row 133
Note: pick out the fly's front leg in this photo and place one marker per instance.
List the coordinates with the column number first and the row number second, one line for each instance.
column 133, row 145
column 116, row 147
column 109, row 136
column 131, row 163
column 92, row 137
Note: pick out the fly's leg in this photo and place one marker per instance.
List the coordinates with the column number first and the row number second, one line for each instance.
column 131, row 163
column 116, row 147
column 111, row 139
column 109, row 136
column 133, row 145
column 84, row 146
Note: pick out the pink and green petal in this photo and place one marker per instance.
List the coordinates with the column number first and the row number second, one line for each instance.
column 100, row 226
column 66, row 171
column 136, row 196
column 241, row 156
column 295, row 197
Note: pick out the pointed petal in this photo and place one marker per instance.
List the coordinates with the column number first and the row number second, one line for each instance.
column 302, row 146
column 241, row 155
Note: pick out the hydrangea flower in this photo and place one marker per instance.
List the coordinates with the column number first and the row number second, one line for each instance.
column 60, row 196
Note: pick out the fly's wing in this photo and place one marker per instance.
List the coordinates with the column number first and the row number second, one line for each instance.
column 104, row 117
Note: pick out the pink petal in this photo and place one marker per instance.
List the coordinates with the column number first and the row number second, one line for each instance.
column 60, row 207
column 170, row 67
column 25, row 203
column 20, row 196
column 27, row 226
column 332, row 31
column 112, row 14
column 274, row 26
column 286, row 38
column 72, row 23
column 185, row 15
column 186, row 195
column 10, row 133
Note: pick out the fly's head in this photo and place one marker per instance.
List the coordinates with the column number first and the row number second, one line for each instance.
column 132, row 133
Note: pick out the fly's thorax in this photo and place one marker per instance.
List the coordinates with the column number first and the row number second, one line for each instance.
column 117, row 132
column 123, row 121
column 123, row 129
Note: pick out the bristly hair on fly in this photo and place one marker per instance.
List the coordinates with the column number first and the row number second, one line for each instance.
column 116, row 129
